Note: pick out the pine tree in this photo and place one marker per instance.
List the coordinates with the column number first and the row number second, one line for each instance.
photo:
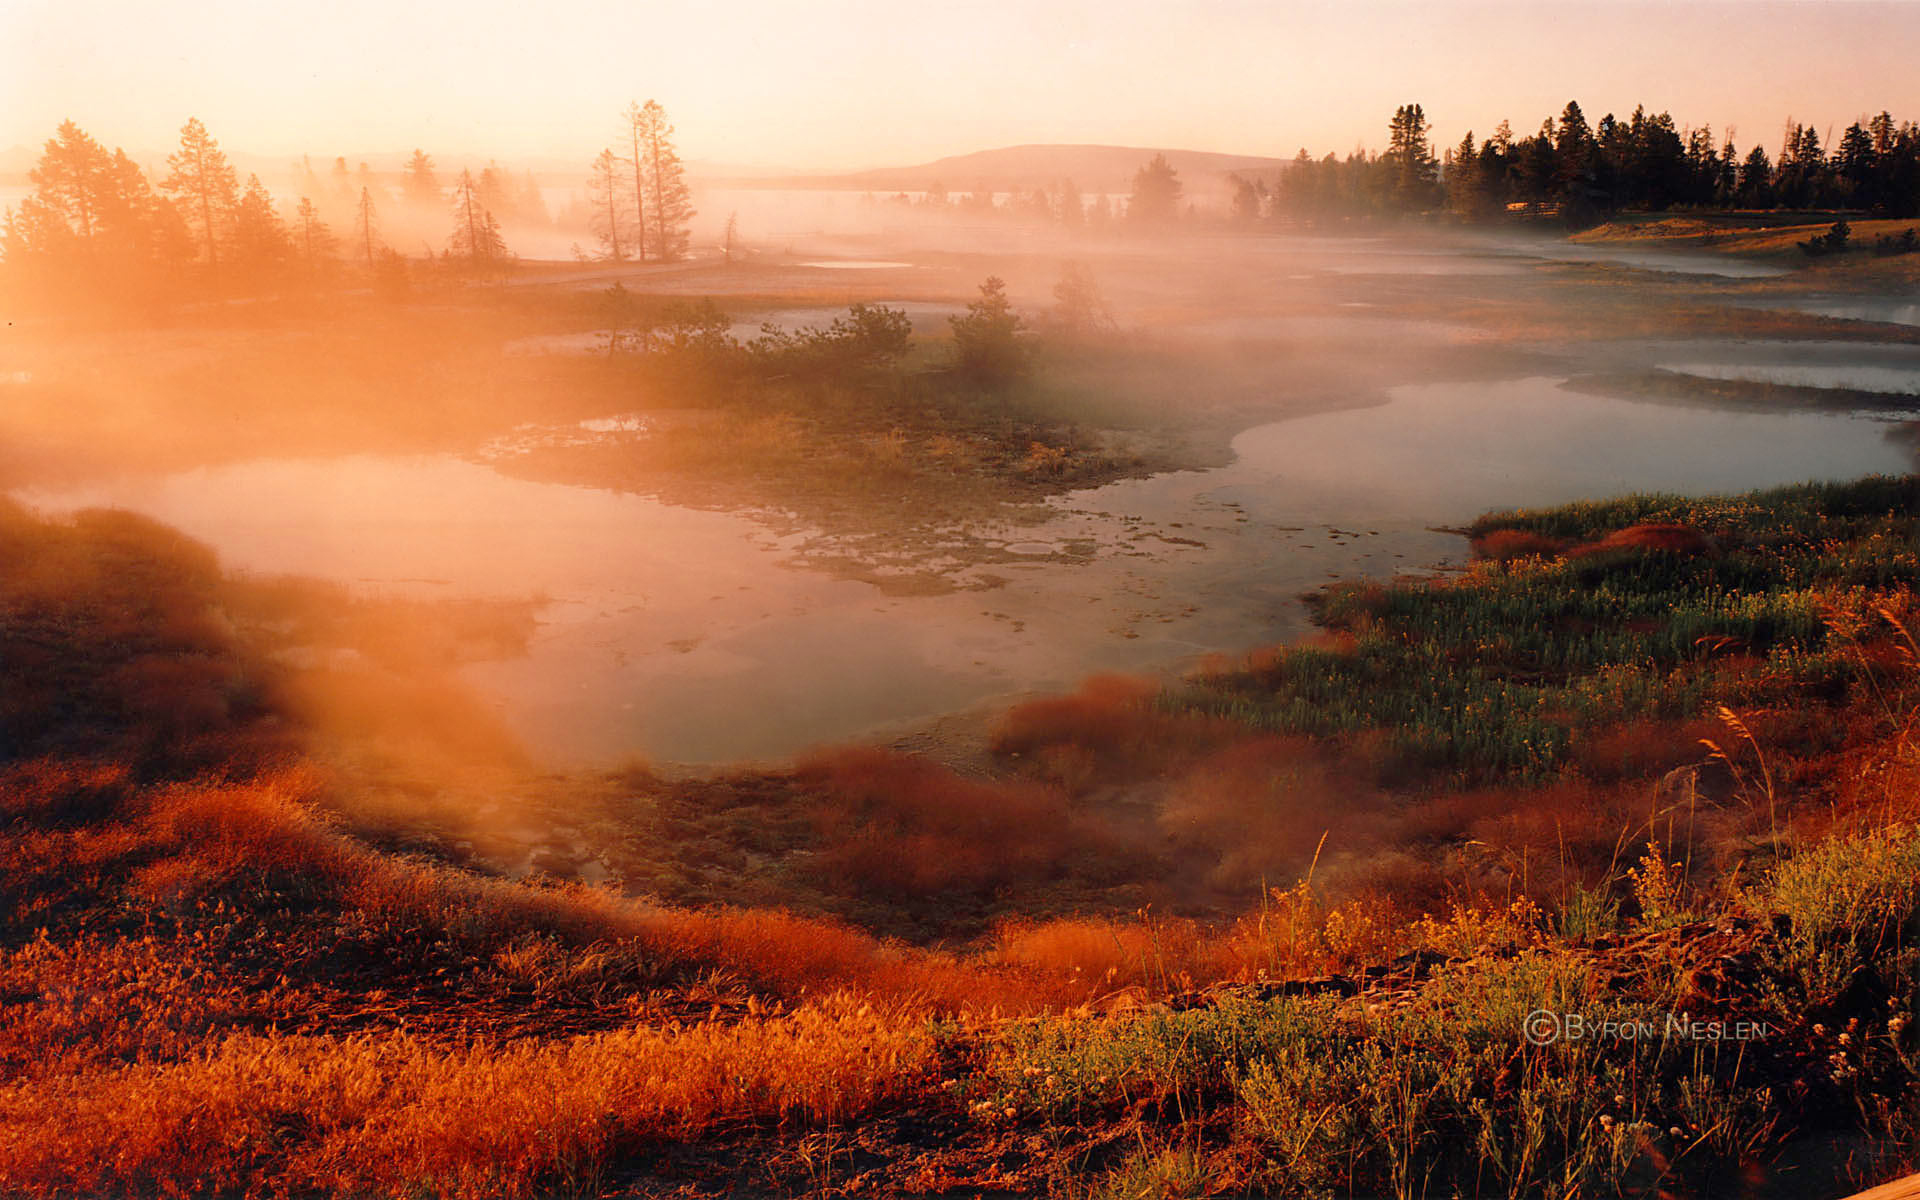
column 1466, row 190
column 635, row 118
column 1155, row 200
column 1249, row 195
column 420, row 187
column 1073, row 210
column 666, row 203
column 203, row 182
column 476, row 232
column 1857, row 166
column 1726, row 185
column 531, row 205
column 1756, row 180
column 1413, row 172
column 366, row 227
column 986, row 341
column 93, row 213
column 1078, row 309
column 1573, row 149
column 316, row 241
column 138, row 226
column 259, row 240
column 606, row 195
column 38, row 244
column 496, row 196
column 74, row 178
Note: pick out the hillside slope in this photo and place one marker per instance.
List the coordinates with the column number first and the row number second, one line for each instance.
column 1092, row 168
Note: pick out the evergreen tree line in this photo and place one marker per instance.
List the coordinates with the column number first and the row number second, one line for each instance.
column 96, row 229
column 1583, row 172
column 1155, row 200
column 1059, row 203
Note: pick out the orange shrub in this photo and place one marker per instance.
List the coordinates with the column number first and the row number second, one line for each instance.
column 1109, row 731
column 1639, row 748
column 1104, row 956
column 1663, row 537
column 899, row 825
column 1261, row 808
column 1506, row 545
column 1106, row 715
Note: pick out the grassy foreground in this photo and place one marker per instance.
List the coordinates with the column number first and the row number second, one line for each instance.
column 213, row 983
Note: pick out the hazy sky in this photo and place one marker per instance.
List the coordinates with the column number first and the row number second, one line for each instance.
column 848, row 83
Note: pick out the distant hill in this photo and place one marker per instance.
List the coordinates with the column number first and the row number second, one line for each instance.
column 1092, row 169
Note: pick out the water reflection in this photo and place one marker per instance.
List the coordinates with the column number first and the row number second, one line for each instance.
column 687, row 635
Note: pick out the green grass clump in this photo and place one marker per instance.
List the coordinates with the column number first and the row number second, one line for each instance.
column 1854, row 904
column 1497, row 674
column 1437, row 1096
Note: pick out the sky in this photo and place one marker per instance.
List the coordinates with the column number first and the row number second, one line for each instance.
column 841, row 84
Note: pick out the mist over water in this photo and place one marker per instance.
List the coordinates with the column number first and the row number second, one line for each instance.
column 693, row 636
column 1358, row 393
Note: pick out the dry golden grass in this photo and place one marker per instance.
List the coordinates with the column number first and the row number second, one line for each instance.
column 1779, row 234
column 154, row 1063
column 211, row 986
column 388, row 1114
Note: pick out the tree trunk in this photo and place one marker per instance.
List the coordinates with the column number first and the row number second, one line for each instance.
column 639, row 194
column 206, row 203
column 659, row 199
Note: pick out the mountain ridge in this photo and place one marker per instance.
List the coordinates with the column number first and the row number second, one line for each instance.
column 1093, row 167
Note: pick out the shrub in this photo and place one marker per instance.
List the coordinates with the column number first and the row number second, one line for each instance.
column 987, row 346
column 1851, row 899
column 1109, row 717
column 1662, row 537
column 1833, row 241
column 901, row 826
column 1506, row 545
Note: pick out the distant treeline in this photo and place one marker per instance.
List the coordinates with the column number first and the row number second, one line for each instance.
column 1570, row 170
column 1583, row 172
column 97, row 232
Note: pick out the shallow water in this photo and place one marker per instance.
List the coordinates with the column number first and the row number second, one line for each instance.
column 1856, row 377
column 1355, row 323
column 690, row 636
column 1449, row 451
column 1887, row 310
column 1668, row 262
column 924, row 314
column 1419, row 264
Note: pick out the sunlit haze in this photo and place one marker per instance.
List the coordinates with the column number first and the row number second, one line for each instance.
column 853, row 83
column 825, row 598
